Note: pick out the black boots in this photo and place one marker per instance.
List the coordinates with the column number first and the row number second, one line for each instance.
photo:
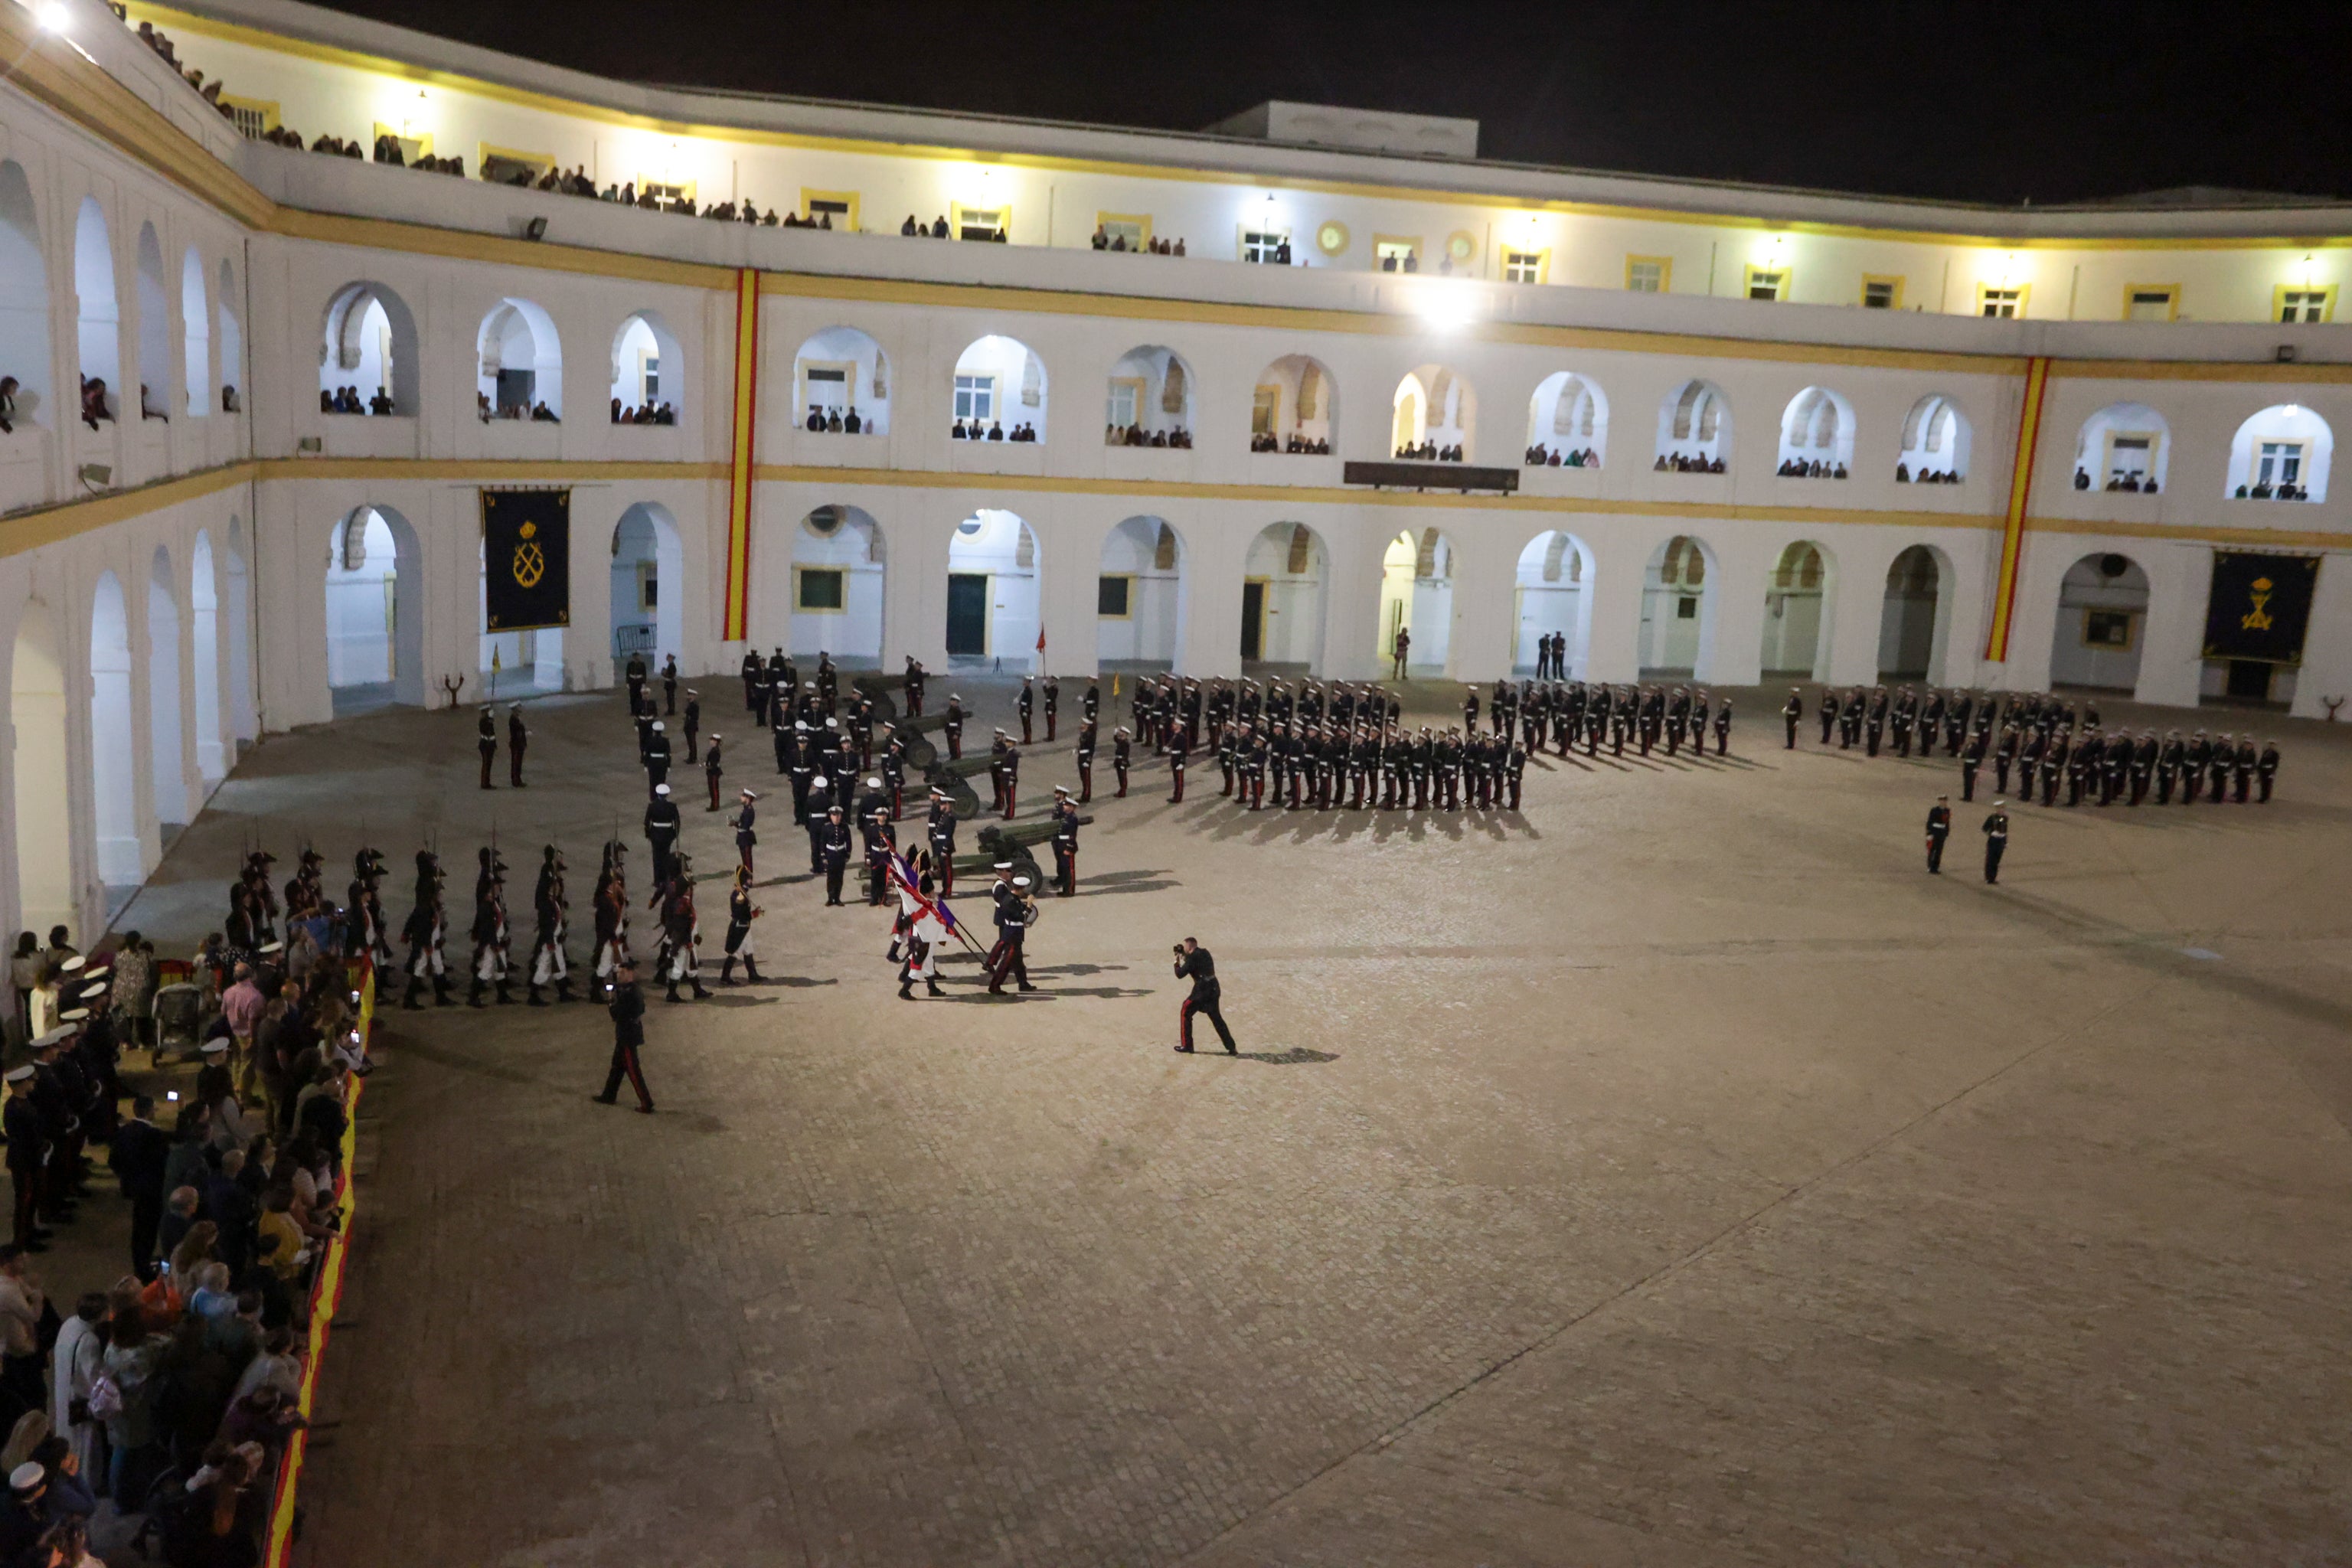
column 506, row 994
column 751, row 971
column 534, row 999
column 727, row 969
column 563, row 990
column 474, row 994
column 409, row 999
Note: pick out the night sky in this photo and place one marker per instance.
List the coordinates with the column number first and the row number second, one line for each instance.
column 2063, row 101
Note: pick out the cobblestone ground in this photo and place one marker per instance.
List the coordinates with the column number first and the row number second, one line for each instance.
column 1673, row 1173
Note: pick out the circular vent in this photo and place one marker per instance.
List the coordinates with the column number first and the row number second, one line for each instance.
column 2112, row 566
column 825, row 522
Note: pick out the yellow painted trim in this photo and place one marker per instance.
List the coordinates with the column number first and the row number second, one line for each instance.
column 799, row 570
column 2279, row 294
column 491, row 470
column 2024, row 298
column 1139, row 220
column 1665, row 265
column 2171, row 292
column 1863, row 296
column 1129, row 578
column 848, row 198
column 49, row 525
column 1505, row 255
column 299, row 49
column 1783, row 276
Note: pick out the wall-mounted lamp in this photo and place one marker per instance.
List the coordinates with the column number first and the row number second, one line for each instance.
column 535, row 230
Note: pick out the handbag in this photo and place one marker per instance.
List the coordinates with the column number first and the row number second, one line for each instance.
column 105, row 1397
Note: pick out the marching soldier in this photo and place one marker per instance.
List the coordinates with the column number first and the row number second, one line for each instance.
column 1996, row 832
column 741, row 913
column 424, row 932
column 2168, row 766
column 549, row 961
column 1015, row 911
column 627, row 1010
column 612, row 916
column 1939, row 828
column 486, row 741
column 489, row 931
column 681, row 930
column 1066, row 844
column 517, row 738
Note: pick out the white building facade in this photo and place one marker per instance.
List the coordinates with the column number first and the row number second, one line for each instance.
column 1790, row 426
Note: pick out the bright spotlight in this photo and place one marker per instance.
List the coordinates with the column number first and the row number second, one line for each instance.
column 1447, row 310
column 52, row 16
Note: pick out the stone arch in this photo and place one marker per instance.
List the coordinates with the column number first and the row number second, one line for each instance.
column 24, row 300
column 236, row 608
column 154, row 328
column 993, row 604
column 1679, row 590
column 1435, row 413
column 1816, row 433
column 1554, row 596
column 838, row 373
column 649, row 375
column 2123, row 447
column 196, row 334
column 165, row 725
column 98, row 314
column 1935, row 444
column 648, row 585
column 113, row 755
column 205, row 654
column 1568, row 422
column 519, row 360
column 2102, row 616
column 232, row 341
column 1285, row 594
column 1139, row 603
column 375, row 612
column 1293, row 409
column 370, row 348
column 2281, row 453
column 840, row 573
column 1799, row 601
column 1417, row 596
column 39, row 774
column 999, row 385
column 1914, row 621
column 1150, row 400
column 1695, row 428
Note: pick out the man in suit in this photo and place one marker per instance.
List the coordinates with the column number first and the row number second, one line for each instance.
column 140, row 1148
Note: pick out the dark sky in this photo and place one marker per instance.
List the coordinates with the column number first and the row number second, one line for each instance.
column 2065, row 101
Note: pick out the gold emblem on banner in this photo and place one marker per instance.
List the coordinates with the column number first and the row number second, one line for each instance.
column 530, row 561
column 2257, row 619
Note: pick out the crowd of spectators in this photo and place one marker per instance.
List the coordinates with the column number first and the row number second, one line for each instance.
column 1676, row 463
column 643, row 413
column 1812, row 468
column 1542, row 457
column 1428, row 452
column 1295, row 444
column 1904, row 475
column 1136, row 436
column 538, row 412
column 971, row 430
column 346, row 400
column 2264, row 490
column 172, row 1392
column 2141, row 484
column 822, row 420
column 1106, row 241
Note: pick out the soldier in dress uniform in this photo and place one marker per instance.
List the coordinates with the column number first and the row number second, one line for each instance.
column 1085, row 756
column 28, row 1149
column 2266, row 767
column 1122, row 757
column 1971, row 759
column 657, row 757
column 881, row 842
column 741, row 913
column 612, row 916
column 953, row 727
column 681, row 931
column 518, row 737
column 1066, row 844
column 1027, row 702
column 2055, row 761
column 1053, row 705
column 549, row 961
column 1996, row 832
column 489, row 931
column 755, row 686
column 424, row 933
column 746, row 815
column 635, row 674
column 1010, row 765
column 669, row 684
column 940, row 830
column 1791, row 713
column 1939, row 828
column 1177, row 752
column 2168, row 758
column 485, row 741
column 1015, row 910
column 2225, row 752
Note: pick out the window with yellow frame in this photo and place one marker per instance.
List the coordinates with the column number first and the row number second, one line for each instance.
column 412, row 147
column 253, row 118
column 838, row 209
column 2151, row 301
column 2303, row 302
column 820, row 590
column 1767, row 282
column 1881, row 291
column 1115, row 596
column 1526, row 266
column 2003, row 301
column 1396, row 252
column 980, row 223
column 499, row 165
column 1127, row 231
column 1649, row 274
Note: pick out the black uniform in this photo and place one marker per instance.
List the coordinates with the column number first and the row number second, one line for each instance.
column 1201, row 970
column 1996, row 832
column 1939, row 828
column 628, row 1010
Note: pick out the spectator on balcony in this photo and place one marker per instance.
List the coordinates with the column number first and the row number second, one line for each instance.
column 7, row 405
column 541, row 413
column 381, row 403
column 230, row 402
column 910, row 227
column 94, row 407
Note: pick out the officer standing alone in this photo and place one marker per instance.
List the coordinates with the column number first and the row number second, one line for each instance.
column 1996, row 832
column 1939, row 828
column 1193, row 963
column 628, row 1012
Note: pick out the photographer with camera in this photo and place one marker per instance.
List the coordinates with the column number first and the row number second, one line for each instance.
column 1193, row 963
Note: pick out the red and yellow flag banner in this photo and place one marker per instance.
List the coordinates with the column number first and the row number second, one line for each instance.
column 2021, row 490
column 744, row 460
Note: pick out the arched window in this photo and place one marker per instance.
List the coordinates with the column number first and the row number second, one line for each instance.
column 2281, row 454
column 1151, row 400
column 1935, row 450
column 24, row 303
column 841, row 383
column 839, row 568
column 1292, row 409
column 232, row 345
column 1695, row 429
column 2123, row 447
column 1434, row 415
column 154, row 330
column 648, row 372
column 1816, row 436
column 519, row 373
column 97, row 317
column 999, row 392
column 196, row 334
column 368, row 362
column 1567, row 423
